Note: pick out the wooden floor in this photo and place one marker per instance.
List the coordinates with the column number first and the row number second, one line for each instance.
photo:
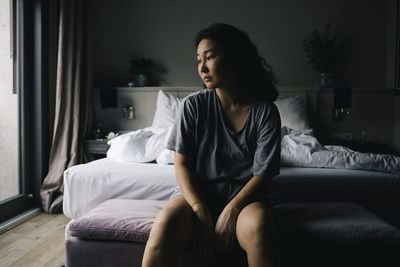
column 38, row 242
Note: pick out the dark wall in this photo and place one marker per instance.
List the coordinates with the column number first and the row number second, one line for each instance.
column 164, row 31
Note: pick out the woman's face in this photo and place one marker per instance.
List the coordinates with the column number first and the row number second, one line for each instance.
column 211, row 64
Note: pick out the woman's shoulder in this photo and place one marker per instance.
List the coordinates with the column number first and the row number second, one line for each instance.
column 266, row 106
column 199, row 96
column 266, row 110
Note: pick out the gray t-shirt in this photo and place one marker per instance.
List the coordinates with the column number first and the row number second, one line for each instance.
column 226, row 160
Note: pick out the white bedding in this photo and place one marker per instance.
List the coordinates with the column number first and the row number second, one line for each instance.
column 301, row 149
column 120, row 175
column 87, row 185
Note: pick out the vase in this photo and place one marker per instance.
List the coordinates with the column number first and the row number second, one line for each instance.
column 325, row 79
column 141, row 80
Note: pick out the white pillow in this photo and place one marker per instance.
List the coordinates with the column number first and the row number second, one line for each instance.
column 143, row 145
column 129, row 146
column 165, row 157
column 167, row 110
column 293, row 111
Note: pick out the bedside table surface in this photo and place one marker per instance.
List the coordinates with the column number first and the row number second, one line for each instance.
column 96, row 146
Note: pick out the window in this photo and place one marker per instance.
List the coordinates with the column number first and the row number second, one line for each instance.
column 397, row 51
column 22, row 127
column 9, row 159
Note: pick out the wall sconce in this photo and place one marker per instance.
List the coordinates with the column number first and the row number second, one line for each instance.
column 129, row 112
column 342, row 100
column 108, row 98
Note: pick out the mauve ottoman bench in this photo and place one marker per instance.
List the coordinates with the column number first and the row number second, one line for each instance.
column 115, row 233
column 312, row 234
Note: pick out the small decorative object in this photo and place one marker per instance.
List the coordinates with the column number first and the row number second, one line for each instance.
column 131, row 84
column 322, row 50
column 326, row 79
column 111, row 135
column 147, row 72
column 98, row 132
column 129, row 112
column 142, row 80
column 364, row 137
column 342, row 102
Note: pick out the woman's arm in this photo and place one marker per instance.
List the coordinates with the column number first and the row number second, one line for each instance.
column 186, row 178
column 203, row 226
column 255, row 188
column 225, row 228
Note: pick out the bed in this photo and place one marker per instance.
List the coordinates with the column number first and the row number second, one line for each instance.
column 139, row 167
column 87, row 185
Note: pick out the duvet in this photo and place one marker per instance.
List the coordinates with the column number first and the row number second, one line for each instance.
column 302, row 149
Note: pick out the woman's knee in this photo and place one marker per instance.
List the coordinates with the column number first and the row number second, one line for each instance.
column 254, row 223
column 174, row 220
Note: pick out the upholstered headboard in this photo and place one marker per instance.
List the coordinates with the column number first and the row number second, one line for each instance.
column 144, row 102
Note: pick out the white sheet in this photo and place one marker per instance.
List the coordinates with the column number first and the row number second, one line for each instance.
column 87, row 185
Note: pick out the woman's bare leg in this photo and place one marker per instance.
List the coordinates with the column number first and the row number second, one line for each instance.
column 172, row 231
column 257, row 235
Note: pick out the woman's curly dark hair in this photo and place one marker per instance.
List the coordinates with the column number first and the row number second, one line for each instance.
column 255, row 73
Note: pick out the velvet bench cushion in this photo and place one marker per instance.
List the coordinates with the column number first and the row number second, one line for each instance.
column 341, row 224
column 118, row 219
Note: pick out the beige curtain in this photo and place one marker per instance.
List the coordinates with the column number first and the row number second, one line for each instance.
column 73, row 110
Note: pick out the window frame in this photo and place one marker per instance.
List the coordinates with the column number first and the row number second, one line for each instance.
column 397, row 51
column 29, row 43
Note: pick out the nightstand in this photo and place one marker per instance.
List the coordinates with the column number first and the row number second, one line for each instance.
column 96, row 149
column 361, row 146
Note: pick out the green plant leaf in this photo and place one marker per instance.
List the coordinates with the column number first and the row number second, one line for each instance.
column 323, row 48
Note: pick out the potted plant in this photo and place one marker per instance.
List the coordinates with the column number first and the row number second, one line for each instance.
column 146, row 71
column 322, row 50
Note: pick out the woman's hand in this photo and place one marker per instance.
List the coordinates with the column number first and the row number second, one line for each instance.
column 225, row 228
column 203, row 230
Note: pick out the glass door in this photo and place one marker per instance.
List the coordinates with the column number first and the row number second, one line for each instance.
column 9, row 109
column 18, row 186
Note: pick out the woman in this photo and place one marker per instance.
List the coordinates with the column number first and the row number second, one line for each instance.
column 227, row 149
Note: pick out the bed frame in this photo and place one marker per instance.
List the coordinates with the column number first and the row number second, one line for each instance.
column 144, row 100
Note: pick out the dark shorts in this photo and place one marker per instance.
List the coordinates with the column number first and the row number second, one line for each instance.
column 214, row 203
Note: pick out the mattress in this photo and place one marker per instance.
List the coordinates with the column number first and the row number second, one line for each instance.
column 87, row 185
column 377, row 191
